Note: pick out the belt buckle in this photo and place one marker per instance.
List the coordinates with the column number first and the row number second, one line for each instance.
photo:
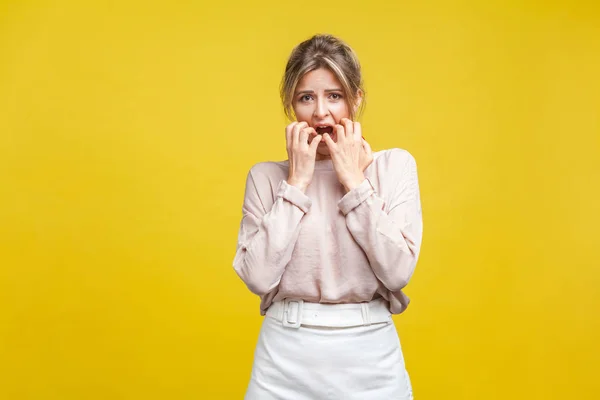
column 291, row 319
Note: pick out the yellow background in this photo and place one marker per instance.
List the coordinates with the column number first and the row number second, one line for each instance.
column 126, row 132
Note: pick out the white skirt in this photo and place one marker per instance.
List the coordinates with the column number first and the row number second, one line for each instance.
column 309, row 351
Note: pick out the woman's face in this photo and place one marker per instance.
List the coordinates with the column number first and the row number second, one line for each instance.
column 319, row 101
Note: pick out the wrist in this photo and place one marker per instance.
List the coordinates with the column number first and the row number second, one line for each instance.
column 353, row 182
column 298, row 184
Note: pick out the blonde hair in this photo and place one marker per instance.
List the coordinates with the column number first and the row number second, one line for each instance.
column 323, row 51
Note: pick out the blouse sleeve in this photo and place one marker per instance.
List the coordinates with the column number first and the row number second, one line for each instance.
column 392, row 239
column 266, row 238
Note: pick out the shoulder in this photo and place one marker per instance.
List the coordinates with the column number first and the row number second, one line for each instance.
column 268, row 173
column 398, row 170
column 395, row 158
column 268, row 168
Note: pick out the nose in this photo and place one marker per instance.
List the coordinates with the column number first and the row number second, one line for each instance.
column 321, row 110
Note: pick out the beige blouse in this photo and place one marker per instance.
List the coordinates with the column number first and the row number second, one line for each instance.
column 328, row 246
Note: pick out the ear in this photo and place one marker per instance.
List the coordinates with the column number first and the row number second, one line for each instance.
column 359, row 98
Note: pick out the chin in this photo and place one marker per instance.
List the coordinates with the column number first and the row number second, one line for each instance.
column 323, row 152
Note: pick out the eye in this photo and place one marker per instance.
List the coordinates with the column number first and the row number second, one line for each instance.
column 336, row 96
column 305, row 98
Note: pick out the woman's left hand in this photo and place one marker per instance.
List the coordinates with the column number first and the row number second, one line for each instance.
column 351, row 155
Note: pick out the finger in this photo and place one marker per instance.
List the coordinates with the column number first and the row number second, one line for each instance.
column 348, row 126
column 339, row 131
column 312, row 134
column 315, row 143
column 299, row 126
column 367, row 146
column 303, row 136
column 288, row 133
column 357, row 130
column 329, row 142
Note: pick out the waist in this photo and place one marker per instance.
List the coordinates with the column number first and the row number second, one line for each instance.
column 295, row 313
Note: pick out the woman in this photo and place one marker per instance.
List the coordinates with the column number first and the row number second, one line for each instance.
column 328, row 239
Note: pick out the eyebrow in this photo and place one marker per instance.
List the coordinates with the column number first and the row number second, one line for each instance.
column 312, row 91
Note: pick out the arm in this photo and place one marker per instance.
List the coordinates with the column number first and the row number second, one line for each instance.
column 391, row 240
column 266, row 238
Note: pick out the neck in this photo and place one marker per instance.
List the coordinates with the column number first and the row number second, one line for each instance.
column 321, row 157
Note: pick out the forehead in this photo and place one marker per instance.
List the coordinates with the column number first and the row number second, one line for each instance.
column 321, row 78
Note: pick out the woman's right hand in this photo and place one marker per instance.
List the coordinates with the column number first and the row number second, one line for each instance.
column 301, row 154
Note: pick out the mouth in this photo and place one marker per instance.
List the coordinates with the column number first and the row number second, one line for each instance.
column 323, row 129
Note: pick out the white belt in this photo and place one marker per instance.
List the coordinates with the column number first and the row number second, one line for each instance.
column 294, row 313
